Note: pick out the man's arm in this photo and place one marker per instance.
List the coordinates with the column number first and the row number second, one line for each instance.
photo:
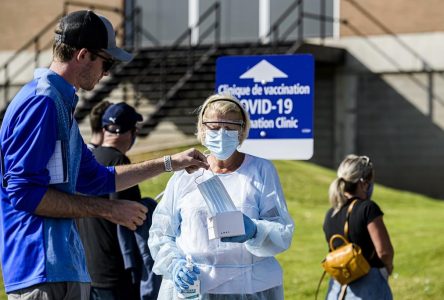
column 130, row 175
column 62, row 205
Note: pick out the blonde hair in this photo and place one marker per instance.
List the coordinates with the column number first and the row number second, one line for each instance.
column 223, row 104
column 352, row 169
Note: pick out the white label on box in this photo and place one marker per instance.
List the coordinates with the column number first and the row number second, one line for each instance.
column 226, row 224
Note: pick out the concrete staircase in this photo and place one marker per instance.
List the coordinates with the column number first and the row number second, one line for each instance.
column 168, row 85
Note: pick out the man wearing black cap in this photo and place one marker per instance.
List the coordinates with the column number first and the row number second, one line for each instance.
column 45, row 165
column 115, row 268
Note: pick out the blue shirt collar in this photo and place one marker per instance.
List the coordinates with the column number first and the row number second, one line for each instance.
column 59, row 83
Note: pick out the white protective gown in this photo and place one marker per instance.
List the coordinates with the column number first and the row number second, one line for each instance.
column 228, row 270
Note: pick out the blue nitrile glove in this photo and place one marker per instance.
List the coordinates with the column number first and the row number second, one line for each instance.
column 250, row 232
column 182, row 276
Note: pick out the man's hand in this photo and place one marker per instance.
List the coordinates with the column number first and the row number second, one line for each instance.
column 56, row 204
column 127, row 213
column 191, row 160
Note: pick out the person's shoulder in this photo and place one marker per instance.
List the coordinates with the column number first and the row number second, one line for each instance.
column 258, row 162
column 27, row 106
column 369, row 209
column 329, row 213
column 366, row 204
column 328, row 218
column 102, row 149
column 27, row 98
column 184, row 176
column 181, row 180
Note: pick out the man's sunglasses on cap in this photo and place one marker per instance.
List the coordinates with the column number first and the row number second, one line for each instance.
column 108, row 63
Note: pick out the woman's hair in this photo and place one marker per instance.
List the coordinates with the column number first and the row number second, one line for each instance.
column 95, row 116
column 222, row 104
column 352, row 169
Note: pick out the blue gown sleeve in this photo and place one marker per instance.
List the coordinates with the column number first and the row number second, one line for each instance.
column 164, row 229
column 275, row 226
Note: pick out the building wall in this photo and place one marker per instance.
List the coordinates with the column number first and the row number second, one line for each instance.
column 22, row 20
column 370, row 17
column 167, row 19
column 399, row 131
column 374, row 17
column 324, row 112
column 390, row 106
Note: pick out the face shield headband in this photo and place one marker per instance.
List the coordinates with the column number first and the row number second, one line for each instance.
column 228, row 122
column 228, row 100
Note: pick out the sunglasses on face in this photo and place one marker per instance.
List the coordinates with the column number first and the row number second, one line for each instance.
column 107, row 62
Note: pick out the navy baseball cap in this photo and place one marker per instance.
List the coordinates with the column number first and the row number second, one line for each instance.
column 85, row 29
column 120, row 117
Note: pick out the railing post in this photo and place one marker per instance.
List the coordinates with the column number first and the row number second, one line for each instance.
column 430, row 92
column 138, row 28
column 301, row 21
column 125, row 94
column 128, row 13
column 162, row 75
column 275, row 30
column 322, row 25
column 190, row 46
column 217, row 23
column 36, row 52
column 65, row 8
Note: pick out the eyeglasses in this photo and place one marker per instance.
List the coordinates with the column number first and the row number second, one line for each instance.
column 108, row 63
column 228, row 125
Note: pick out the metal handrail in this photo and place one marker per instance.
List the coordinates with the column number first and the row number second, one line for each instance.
column 140, row 31
column 158, row 66
column 186, row 34
column 167, row 94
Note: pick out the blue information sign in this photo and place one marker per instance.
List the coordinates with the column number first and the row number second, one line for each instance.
column 277, row 91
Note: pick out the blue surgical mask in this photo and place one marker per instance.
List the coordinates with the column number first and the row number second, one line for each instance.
column 222, row 143
column 216, row 196
column 370, row 190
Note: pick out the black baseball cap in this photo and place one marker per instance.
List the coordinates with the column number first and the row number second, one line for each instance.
column 120, row 117
column 85, row 29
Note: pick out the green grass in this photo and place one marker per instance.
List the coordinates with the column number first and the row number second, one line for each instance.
column 415, row 223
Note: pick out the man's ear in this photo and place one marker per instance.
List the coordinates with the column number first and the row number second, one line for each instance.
column 82, row 55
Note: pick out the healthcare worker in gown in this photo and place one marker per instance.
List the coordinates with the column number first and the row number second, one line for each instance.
column 232, row 267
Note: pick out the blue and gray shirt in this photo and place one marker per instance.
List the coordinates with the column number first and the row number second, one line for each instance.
column 36, row 249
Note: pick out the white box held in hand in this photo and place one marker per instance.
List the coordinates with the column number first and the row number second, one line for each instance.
column 226, row 224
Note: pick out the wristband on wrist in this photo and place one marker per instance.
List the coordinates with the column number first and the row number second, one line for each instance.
column 167, row 163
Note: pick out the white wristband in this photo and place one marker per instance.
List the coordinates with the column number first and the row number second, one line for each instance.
column 167, row 163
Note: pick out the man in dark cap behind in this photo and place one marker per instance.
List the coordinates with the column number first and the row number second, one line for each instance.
column 45, row 165
column 114, row 261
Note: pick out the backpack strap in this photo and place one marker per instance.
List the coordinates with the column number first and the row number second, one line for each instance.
column 319, row 285
column 347, row 218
